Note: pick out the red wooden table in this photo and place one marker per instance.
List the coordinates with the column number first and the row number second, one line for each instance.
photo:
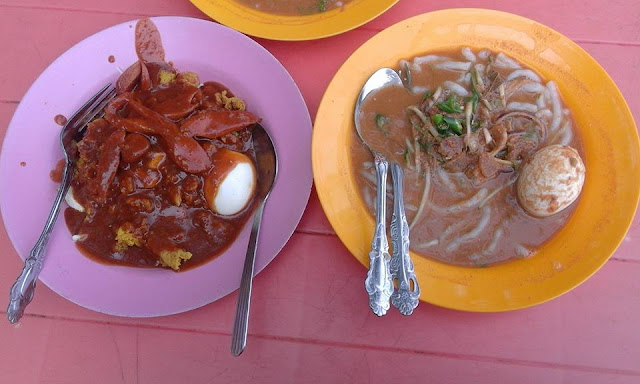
column 317, row 328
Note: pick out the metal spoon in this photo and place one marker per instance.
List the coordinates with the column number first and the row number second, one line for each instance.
column 267, row 169
column 383, row 269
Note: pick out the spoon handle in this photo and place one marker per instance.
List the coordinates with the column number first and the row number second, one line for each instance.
column 22, row 291
column 406, row 297
column 378, row 284
column 241, row 321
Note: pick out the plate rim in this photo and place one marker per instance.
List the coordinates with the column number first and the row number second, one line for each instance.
column 292, row 28
column 306, row 192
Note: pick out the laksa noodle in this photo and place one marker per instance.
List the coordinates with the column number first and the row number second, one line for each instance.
column 491, row 157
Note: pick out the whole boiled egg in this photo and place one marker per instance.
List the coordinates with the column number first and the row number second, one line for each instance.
column 231, row 183
column 551, row 180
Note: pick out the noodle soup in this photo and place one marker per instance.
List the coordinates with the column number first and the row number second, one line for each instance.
column 466, row 127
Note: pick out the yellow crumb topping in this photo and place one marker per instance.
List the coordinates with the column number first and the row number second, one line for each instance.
column 230, row 102
column 126, row 239
column 173, row 259
column 166, row 77
column 189, row 78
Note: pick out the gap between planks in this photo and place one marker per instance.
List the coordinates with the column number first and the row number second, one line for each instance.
column 362, row 28
column 388, row 349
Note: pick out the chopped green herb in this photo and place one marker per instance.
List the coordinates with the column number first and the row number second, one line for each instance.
column 405, row 154
column 474, row 99
column 418, row 127
column 322, row 5
column 437, row 119
column 425, row 146
column 426, row 95
column 451, row 105
column 454, row 125
column 381, row 123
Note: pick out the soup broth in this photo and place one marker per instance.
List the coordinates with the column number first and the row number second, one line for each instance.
column 462, row 127
column 293, row 7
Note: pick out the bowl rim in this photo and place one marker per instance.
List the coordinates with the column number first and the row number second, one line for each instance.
column 327, row 194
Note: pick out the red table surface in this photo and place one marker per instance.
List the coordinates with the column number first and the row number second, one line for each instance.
column 310, row 322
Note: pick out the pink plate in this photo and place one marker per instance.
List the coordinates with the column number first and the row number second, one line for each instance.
column 214, row 52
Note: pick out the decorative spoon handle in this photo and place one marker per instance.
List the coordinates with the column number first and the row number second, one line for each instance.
column 378, row 284
column 406, row 297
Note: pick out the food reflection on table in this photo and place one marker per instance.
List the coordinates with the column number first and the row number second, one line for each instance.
column 491, row 155
column 167, row 177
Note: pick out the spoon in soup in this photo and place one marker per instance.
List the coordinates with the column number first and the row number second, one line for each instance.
column 384, row 269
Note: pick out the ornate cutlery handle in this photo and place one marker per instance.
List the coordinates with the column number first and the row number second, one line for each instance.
column 379, row 284
column 22, row 290
column 405, row 298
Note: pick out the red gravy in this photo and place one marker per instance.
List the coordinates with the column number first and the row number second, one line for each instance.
column 470, row 213
column 141, row 170
column 61, row 120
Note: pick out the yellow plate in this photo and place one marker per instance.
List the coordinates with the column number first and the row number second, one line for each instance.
column 278, row 27
column 612, row 187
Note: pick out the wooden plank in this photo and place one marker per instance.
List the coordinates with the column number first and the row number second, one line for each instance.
column 57, row 351
column 617, row 21
column 314, row 291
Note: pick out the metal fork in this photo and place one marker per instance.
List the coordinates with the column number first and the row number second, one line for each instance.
column 22, row 290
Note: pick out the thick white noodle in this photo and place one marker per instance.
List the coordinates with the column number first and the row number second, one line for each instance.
column 532, row 87
column 496, row 191
column 523, row 251
column 466, row 52
column 455, row 227
column 368, row 198
column 445, row 179
column 423, row 199
column 369, row 177
column 435, row 96
column 427, row 244
column 417, row 90
column 503, row 61
column 524, row 107
column 527, row 73
column 540, row 102
column 456, row 88
column 544, row 114
column 494, row 242
column 453, row 65
column 464, row 205
column 367, row 164
column 556, row 108
column 484, row 54
column 410, row 207
column 420, row 60
column 472, row 234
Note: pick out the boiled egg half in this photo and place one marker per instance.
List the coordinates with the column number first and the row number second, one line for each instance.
column 231, row 183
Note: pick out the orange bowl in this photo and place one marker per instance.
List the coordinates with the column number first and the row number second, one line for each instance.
column 612, row 152
column 279, row 27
